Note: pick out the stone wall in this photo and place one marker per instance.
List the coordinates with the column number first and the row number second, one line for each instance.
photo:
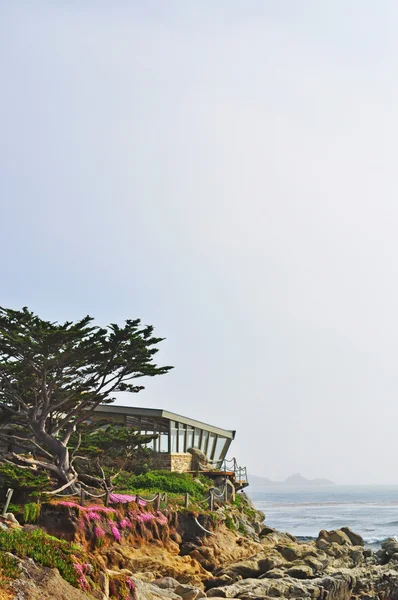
column 179, row 462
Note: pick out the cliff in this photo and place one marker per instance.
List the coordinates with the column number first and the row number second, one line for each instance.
column 129, row 552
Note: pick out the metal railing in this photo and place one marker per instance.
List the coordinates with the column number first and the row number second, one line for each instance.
column 233, row 467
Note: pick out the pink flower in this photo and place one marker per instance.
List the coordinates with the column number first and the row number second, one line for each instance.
column 81, row 570
column 93, row 516
column 125, row 524
column 124, row 498
column 161, row 519
column 115, row 532
column 99, row 532
column 130, row 584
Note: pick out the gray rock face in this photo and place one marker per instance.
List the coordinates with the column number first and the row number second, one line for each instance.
column 166, row 583
column 148, row 591
column 336, row 566
column 189, row 592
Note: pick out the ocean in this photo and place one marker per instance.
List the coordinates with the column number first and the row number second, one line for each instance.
column 371, row 511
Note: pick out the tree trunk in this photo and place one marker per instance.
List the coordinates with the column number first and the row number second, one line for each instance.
column 61, row 464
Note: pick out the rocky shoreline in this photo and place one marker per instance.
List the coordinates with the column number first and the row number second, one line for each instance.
column 241, row 558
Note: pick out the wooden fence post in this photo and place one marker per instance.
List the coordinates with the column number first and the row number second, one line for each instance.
column 157, row 502
column 8, row 500
column 165, row 498
column 186, row 500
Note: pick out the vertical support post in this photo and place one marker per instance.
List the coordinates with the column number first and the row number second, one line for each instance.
column 8, row 500
column 165, row 498
column 226, row 490
column 211, row 500
column 157, row 502
column 186, row 503
column 82, row 496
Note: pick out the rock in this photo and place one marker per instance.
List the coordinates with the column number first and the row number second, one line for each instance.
column 355, row 538
column 166, row 583
column 289, row 552
column 199, row 460
column 322, row 544
column 268, row 563
column 300, row 572
column 12, row 519
column 176, row 537
column 266, row 531
column 316, row 564
column 273, row 574
column 187, row 548
column 189, row 592
column 148, row 591
column 337, row 536
column 390, row 546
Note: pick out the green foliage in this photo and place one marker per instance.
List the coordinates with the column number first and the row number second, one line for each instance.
column 19, row 479
column 9, row 567
column 229, row 523
column 109, row 442
column 44, row 549
column 53, row 375
column 31, row 512
column 163, row 481
column 247, row 508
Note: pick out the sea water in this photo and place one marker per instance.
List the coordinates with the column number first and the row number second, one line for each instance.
column 371, row 511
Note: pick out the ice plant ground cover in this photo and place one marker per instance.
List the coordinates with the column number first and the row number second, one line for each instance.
column 125, row 498
column 46, row 550
column 111, row 519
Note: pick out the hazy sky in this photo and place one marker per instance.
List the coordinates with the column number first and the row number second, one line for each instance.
column 227, row 171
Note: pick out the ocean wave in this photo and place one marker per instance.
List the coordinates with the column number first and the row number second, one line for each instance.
column 378, row 540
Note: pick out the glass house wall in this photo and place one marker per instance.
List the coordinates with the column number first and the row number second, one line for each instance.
column 175, row 433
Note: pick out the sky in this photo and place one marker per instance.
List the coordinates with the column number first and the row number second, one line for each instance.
column 225, row 170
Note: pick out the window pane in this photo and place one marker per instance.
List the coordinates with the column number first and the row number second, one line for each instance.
column 196, row 438
column 181, row 439
column 173, row 439
column 204, row 441
column 219, row 447
column 164, row 442
column 189, row 438
column 210, row 446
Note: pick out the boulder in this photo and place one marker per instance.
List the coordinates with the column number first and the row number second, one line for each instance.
column 273, row 574
column 189, row 592
column 337, row 536
column 148, row 591
column 390, row 546
column 289, row 552
column 266, row 531
column 199, row 460
column 355, row 538
column 166, row 583
column 300, row 572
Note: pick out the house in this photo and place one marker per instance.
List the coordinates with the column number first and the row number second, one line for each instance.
column 177, row 435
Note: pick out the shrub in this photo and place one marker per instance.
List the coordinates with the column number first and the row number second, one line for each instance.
column 163, row 481
column 45, row 550
column 31, row 512
column 9, row 567
column 23, row 480
column 229, row 523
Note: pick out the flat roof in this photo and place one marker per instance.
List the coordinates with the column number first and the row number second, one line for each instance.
column 159, row 413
